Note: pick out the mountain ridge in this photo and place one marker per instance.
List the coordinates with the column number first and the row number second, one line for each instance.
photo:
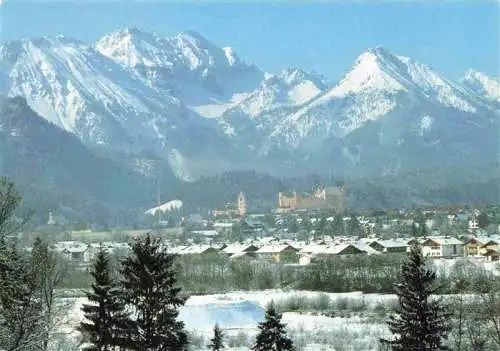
column 204, row 110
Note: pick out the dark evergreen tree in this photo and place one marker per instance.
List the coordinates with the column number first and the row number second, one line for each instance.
column 107, row 323
column 354, row 227
column 293, row 226
column 423, row 229
column 483, row 220
column 150, row 289
column 338, row 226
column 20, row 316
column 421, row 322
column 272, row 335
column 414, row 230
column 217, row 342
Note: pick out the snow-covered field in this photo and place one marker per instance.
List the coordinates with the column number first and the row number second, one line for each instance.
column 357, row 321
column 443, row 265
column 239, row 312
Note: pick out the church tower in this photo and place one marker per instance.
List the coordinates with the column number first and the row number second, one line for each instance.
column 51, row 220
column 242, row 205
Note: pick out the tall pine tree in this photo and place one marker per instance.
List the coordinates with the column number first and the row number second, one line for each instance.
column 150, row 289
column 338, row 226
column 20, row 316
column 272, row 335
column 217, row 342
column 106, row 320
column 420, row 323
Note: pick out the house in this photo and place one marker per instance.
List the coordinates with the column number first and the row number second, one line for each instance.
column 74, row 251
column 198, row 250
column 223, row 227
column 472, row 246
column 176, row 250
column 340, row 249
column 443, row 247
column 491, row 244
column 252, row 227
column 278, row 253
column 473, row 223
column 234, row 249
column 389, row 246
column 313, row 252
column 308, row 253
column 365, row 246
column 492, row 255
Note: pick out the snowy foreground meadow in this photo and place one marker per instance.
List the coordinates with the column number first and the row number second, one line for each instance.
column 353, row 326
column 315, row 320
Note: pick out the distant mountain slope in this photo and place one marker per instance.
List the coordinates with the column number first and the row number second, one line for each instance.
column 378, row 83
column 45, row 159
column 187, row 65
column 55, row 171
column 482, row 84
column 203, row 110
column 74, row 86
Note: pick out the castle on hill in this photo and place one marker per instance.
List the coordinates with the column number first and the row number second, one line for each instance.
column 321, row 198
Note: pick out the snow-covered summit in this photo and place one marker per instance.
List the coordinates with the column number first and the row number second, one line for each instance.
column 189, row 49
column 378, row 84
column 291, row 87
column 199, row 52
column 138, row 91
column 186, row 65
column 379, row 70
column 231, row 56
column 482, row 84
column 371, row 71
column 77, row 88
column 131, row 47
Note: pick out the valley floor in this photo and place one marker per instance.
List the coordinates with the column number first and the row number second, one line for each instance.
column 351, row 328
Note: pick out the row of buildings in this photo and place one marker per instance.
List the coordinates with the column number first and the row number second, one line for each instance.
column 269, row 248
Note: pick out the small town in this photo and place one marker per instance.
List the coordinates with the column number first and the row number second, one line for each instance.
column 300, row 230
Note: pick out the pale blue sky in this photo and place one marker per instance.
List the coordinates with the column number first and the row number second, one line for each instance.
column 322, row 36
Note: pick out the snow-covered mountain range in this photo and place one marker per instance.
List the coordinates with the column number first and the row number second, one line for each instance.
column 204, row 109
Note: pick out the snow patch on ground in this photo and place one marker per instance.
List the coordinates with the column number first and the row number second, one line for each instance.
column 211, row 110
column 179, row 166
column 241, row 311
column 167, row 206
column 425, row 124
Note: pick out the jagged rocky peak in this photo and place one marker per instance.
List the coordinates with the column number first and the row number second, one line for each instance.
column 127, row 34
column 297, row 75
column 131, row 47
column 193, row 38
column 232, row 58
column 135, row 90
column 203, row 54
column 371, row 70
column 189, row 49
column 482, row 84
